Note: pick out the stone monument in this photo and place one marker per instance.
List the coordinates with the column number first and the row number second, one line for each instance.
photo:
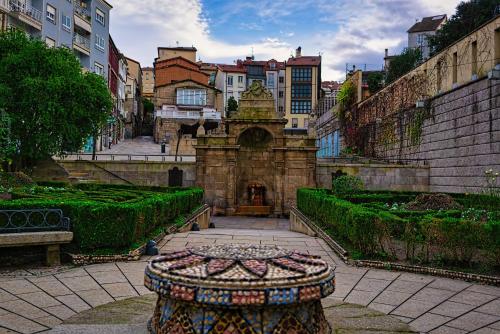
column 254, row 168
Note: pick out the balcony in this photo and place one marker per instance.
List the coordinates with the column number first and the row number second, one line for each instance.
column 26, row 13
column 82, row 16
column 171, row 112
column 81, row 44
column 4, row 6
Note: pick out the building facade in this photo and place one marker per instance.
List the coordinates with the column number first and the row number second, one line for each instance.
column 133, row 99
column 303, row 89
column 27, row 15
column 148, row 82
column 185, row 102
column 418, row 34
column 231, row 80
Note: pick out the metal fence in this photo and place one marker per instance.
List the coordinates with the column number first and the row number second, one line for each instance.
column 32, row 220
column 128, row 157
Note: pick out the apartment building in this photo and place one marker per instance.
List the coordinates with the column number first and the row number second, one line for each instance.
column 133, row 99
column 81, row 25
column 26, row 15
column 303, row 89
column 419, row 33
column 231, row 80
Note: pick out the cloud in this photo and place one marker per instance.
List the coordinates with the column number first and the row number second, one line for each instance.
column 344, row 31
column 139, row 27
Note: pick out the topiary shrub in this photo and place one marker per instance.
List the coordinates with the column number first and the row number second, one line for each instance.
column 347, row 185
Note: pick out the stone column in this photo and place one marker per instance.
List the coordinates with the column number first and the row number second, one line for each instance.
column 53, row 256
column 279, row 189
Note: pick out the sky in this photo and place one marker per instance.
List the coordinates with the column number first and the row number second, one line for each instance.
column 341, row 31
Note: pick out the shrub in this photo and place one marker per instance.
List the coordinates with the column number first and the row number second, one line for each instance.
column 110, row 218
column 346, row 185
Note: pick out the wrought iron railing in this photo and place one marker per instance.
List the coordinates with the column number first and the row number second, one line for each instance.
column 21, row 7
column 81, row 41
column 127, row 157
column 33, row 220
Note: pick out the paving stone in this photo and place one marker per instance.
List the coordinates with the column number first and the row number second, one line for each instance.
column 452, row 309
column 449, row 284
column 142, row 290
column 413, row 308
column 486, row 330
column 95, row 297
column 53, row 287
column 6, row 296
column 495, row 325
column 74, row 302
column 76, row 272
column 472, row 298
column 416, row 278
column 382, row 274
column 49, row 321
column 433, row 295
column 80, row 283
column 18, row 286
column 370, row 284
column 360, row 297
column 103, row 277
column 405, row 286
column 20, row 324
column 25, row 309
column 428, row 322
column 486, row 289
column 392, row 297
column 492, row 307
column 384, row 308
column 447, row 330
column 473, row 320
column 135, row 278
column 342, row 290
column 39, row 299
column 61, row 311
column 406, row 320
column 119, row 289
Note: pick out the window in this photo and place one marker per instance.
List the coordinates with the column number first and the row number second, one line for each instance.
column 194, row 97
column 147, row 76
column 281, row 79
column 230, row 80
column 301, row 107
column 420, row 39
column 280, row 109
column 301, row 74
column 229, row 93
column 51, row 14
column 438, row 74
column 128, row 89
column 50, row 42
column 100, row 42
column 295, row 123
column 474, row 58
column 100, row 16
column 66, row 22
column 454, row 67
column 306, row 123
column 280, row 93
column 301, row 91
column 270, row 80
column 240, row 79
column 98, row 69
column 272, row 65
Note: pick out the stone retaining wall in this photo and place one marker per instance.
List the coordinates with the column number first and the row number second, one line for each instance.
column 460, row 138
column 376, row 176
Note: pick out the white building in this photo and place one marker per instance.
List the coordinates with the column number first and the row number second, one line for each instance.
column 231, row 80
column 421, row 30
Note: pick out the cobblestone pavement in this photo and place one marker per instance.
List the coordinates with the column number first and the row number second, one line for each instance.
column 31, row 303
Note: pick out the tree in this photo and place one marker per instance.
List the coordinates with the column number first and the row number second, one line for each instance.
column 467, row 18
column 149, row 107
column 7, row 146
column 53, row 106
column 232, row 106
column 375, row 82
column 403, row 63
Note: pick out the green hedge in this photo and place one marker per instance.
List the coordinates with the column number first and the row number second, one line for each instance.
column 370, row 229
column 110, row 217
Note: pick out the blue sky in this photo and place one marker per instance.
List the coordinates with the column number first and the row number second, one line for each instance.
column 342, row 31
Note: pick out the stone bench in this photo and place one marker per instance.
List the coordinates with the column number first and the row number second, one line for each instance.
column 36, row 227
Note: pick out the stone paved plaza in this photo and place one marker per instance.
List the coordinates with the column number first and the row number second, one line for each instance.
column 36, row 301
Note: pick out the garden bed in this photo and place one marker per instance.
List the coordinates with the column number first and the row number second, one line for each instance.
column 379, row 225
column 107, row 219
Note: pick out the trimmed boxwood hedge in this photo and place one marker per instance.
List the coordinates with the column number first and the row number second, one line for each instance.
column 110, row 216
column 369, row 226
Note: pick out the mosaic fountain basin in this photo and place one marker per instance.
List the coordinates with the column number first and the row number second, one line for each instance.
column 232, row 289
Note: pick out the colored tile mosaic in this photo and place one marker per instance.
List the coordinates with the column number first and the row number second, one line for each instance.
column 239, row 289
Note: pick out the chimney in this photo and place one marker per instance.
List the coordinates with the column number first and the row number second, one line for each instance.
column 386, row 53
column 298, row 52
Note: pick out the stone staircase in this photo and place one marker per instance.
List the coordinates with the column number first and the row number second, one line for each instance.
column 80, row 177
